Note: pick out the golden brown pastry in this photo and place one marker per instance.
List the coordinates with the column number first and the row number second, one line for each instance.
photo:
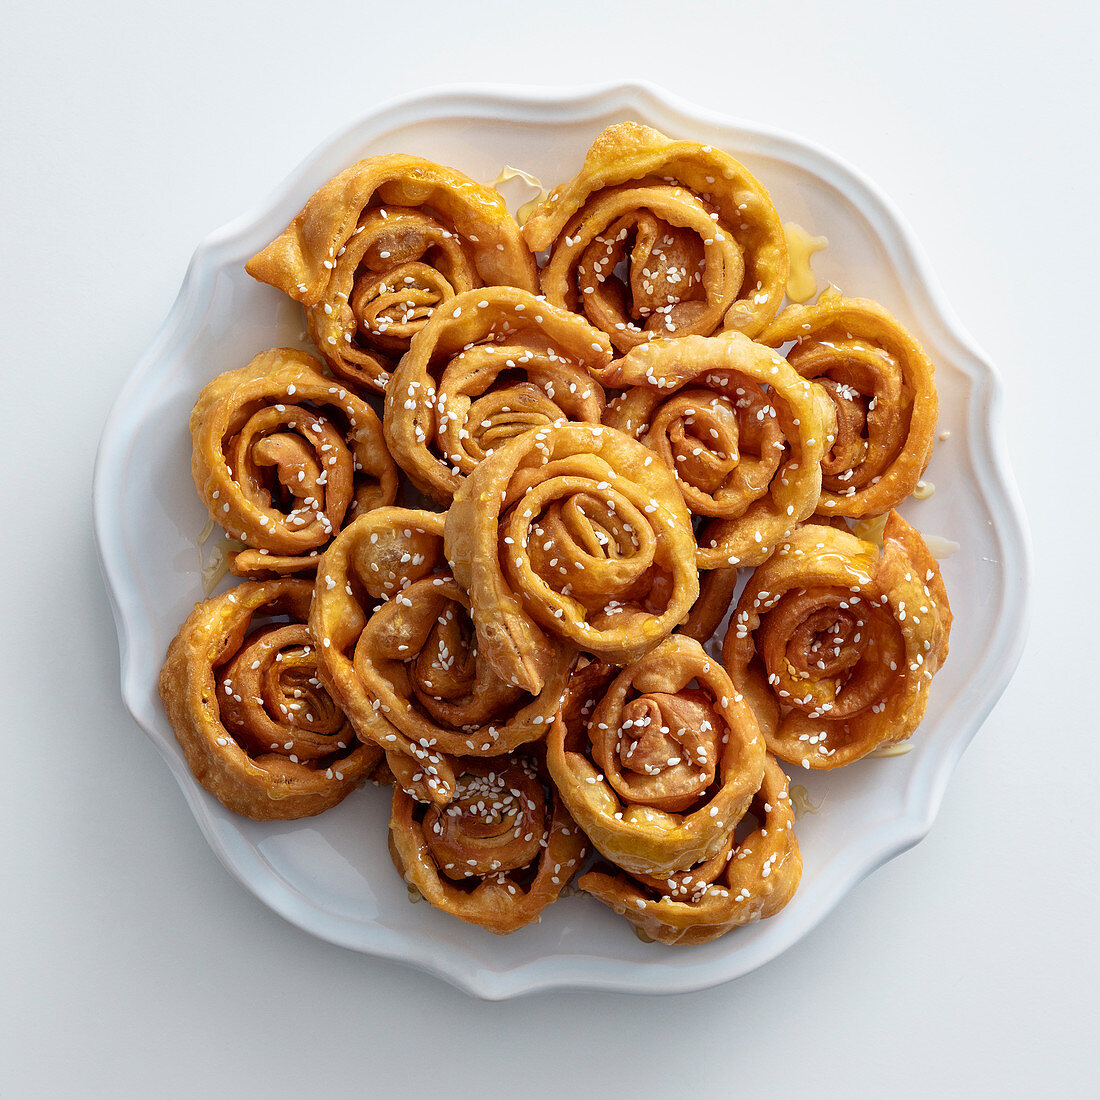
column 398, row 650
column 574, row 532
column 492, row 365
column 703, row 245
column 259, row 731
column 283, row 456
column 660, row 760
column 617, row 440
column 382, row 245
column 716, row 589
column 745, row 881
column 883, row 386
column 834, row 643
column 742, row 431
column 498, row 854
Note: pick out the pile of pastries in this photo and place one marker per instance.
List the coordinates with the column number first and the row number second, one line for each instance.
column 492, row 530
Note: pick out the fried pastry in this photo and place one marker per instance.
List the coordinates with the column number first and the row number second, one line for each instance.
column 746, row 880
column 883, row 386
column 498, row 854
column 716, row 589
column 380, row 247
column 259, row 731
column 622, row 442
column 492, row 365
column 742, row 431
column 657, row 762
column 282, row 456
column 572, row 532
column 834, row 643
column 398, row 650
column 702, row 244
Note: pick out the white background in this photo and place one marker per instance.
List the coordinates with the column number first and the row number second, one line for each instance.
column 131, row 963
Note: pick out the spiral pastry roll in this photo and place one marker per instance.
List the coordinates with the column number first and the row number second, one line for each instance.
column 498, row 854
column 742, row 431
column 655, row 237
column 745, row 881
column 282, row 456
column 380, row 247
column 664, row 764
column 241, row 690
column 494, row 364
column 572, row 532
column 834, row 643
column 399, row 650
column 883, row 386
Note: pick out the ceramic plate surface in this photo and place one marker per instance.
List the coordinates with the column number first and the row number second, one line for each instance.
column 331, row 875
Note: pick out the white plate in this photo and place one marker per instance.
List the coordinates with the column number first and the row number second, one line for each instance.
column 331, row 875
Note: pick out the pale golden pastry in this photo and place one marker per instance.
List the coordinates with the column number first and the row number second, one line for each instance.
column 742, row 431
column 834, row 643
column 746, row 880
column 259, row 731
column 398, row 649
column 883, row 386
column 380, row 247
column 498, row 854
column 703, row 245
column 573, row 532
column 283, row 456
column 492, row 365
column 660, row 760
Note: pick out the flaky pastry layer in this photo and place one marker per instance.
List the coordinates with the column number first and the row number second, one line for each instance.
column 883, row 386
column 398, row 649
column 494, row 364
column 282, row 456
column 747, row 880
column 498, row 854
column 702, row 244
column 259, row 731
column 834, row 642
column 659, row 761
column 380, row 247
column 572, row 532
column 742, row 431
